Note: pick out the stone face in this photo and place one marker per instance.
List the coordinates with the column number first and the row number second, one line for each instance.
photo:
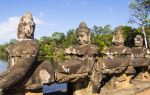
column 26, row 27
column 138, row 41
column 83, row 34
column 118, row 39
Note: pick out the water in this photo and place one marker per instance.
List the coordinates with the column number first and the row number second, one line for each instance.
column 46, row 89
column 3, row 65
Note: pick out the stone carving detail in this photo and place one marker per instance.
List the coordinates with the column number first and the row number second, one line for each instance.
column 26, row 27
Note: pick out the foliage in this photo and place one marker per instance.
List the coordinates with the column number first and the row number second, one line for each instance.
column 71, row 37
column 147, row 30
column 3, row 52
column 59, row 38
column 102, row 36
column 129, row 35
column 139, row 13
column 52, row 47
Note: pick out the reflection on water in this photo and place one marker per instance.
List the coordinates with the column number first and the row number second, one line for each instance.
column 3, row 65
column 55, row 87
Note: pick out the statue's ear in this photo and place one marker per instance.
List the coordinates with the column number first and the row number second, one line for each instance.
column 89, row 38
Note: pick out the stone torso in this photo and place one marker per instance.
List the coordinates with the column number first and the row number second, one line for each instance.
column 20, row 50
column 81, row 59
column 79, row 52
column 118, row 52
column 140, row 56
column 139, row 52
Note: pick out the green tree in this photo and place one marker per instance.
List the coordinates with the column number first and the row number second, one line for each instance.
column 59, row 38
column 46, row 47
column 71, row 37
column 102, row 36
column 129, row 35
column 139, row 15
column 12, row 41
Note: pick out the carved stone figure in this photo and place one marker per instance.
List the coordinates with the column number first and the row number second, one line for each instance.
column 26, row 27
column 76, row 69
column 116, row 63
column 22, row 57
column 82, row 59
column 140, row 58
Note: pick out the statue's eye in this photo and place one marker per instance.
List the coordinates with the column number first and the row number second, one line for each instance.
column 82, row 36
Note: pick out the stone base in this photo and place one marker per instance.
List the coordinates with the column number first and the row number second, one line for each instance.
column 120, row 82
column 139, row 86
column 143, row 76
column 84, row 91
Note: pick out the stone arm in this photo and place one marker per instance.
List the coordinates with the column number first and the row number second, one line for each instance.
column 17, row 72
column 24, row 55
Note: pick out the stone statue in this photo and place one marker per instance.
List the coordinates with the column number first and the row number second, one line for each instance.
column 22, row 57
column 82, row 70
column 140, row 58
column 26, row 27
column 80, row 65
column 33, row 75
column 82, row 59
column 116, row 63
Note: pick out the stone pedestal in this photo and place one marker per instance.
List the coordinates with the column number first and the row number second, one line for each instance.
column 120, row 82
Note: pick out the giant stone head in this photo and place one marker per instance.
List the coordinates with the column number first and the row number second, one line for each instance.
column 118, row 39
column 26, row 27
column 83, row 34
column 138, row 41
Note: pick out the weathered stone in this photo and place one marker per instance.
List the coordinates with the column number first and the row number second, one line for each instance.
column 26, row 27
column 43, row 74
column 22, row 58
column 81, row 62
column 140, row 58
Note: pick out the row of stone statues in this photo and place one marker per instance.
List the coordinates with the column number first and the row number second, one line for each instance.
column 85, row 71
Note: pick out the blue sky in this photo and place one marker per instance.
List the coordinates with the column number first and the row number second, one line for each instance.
column 61, row 15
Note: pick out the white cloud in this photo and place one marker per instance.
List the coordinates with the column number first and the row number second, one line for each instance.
column 8, row 28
